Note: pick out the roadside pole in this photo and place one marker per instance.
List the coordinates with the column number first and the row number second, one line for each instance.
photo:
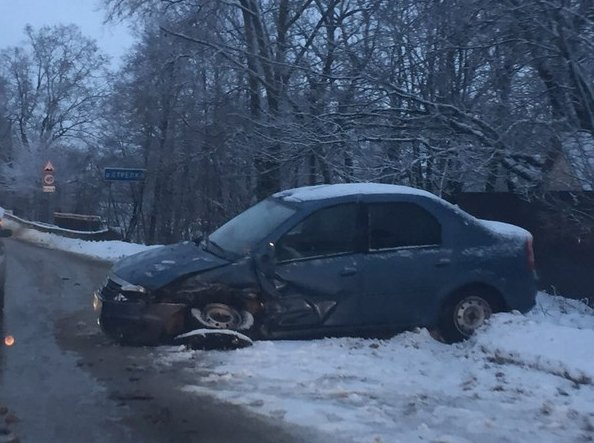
column 130, row 175
column 49, row 188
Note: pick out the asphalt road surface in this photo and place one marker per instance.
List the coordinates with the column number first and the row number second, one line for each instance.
column 64, row 382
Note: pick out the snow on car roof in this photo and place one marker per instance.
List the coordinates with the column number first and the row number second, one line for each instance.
column 321, row 192
column 505, row 229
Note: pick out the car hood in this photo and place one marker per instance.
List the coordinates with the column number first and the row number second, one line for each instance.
column 160, row 266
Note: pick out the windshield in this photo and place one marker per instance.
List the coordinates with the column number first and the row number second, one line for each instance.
column 241, row 234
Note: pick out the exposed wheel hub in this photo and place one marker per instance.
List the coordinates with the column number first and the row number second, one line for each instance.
column 218, row 316
column 470, row 314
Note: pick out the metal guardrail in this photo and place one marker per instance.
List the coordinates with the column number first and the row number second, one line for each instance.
column 78, row 222
column 103, row 234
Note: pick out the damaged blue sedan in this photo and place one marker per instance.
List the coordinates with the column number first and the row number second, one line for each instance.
column 347, row 259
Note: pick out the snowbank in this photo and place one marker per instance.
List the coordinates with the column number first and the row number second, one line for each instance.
column 103, row 250
column 523, row 378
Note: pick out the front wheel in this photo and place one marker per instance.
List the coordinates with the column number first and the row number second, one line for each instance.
column 223, row 316
column 219, row 326
column 463, row 315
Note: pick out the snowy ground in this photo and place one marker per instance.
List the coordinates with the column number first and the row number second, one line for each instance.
column 521, row 379
column 104, row 250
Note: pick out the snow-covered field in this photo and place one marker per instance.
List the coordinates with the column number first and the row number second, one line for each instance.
column 523, row 378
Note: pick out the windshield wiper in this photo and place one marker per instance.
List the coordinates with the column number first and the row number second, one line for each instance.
column 207, row 245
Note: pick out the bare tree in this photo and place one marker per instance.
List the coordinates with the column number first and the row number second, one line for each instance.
column 446, row 96
column 53, row 86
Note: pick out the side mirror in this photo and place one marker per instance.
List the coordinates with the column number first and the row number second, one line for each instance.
column 198, row 237
column 5, row 233
column 266, row 259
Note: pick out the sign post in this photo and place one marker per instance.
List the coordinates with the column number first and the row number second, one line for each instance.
column 123, row 175
column 48, row 186
column 48, row 183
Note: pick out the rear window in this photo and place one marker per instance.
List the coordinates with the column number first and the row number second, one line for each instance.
column 401, row 224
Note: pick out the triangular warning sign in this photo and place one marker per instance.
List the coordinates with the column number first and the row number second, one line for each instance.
column 48, row 167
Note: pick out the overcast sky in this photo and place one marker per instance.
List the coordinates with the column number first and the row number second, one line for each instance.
column 15, row 14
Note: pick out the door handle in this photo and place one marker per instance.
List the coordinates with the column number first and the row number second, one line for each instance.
column 443, row 262
column 348, row 270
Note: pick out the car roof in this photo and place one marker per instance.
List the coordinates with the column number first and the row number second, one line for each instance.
column 322, row 192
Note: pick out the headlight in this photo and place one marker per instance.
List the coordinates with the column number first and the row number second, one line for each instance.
column 133, row 288
column 96, row 303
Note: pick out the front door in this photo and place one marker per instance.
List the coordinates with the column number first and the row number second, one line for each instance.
column 317, row 276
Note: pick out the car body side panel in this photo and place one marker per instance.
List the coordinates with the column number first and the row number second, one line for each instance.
column 407, row 287
column 319, row 292
column 491, row 271
column 400, row 284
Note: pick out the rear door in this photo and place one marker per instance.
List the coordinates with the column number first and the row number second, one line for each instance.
column 317, row 271
column 404, row 265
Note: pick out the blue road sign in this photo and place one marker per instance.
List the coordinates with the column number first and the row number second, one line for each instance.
column 123, row 174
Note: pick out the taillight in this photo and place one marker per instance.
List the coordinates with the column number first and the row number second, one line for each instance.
column 530, row 254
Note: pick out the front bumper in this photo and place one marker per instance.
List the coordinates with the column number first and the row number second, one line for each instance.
column 140, row 322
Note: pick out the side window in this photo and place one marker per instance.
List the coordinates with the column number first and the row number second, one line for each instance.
column 328, row 231
column 395, row 225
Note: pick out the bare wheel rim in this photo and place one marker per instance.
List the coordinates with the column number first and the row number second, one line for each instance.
column 470, row 314
column 220, row 316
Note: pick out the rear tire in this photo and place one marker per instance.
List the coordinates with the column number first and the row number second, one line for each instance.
column 465, row 312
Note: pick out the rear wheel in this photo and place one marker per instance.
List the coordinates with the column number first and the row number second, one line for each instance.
column 465, row 312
